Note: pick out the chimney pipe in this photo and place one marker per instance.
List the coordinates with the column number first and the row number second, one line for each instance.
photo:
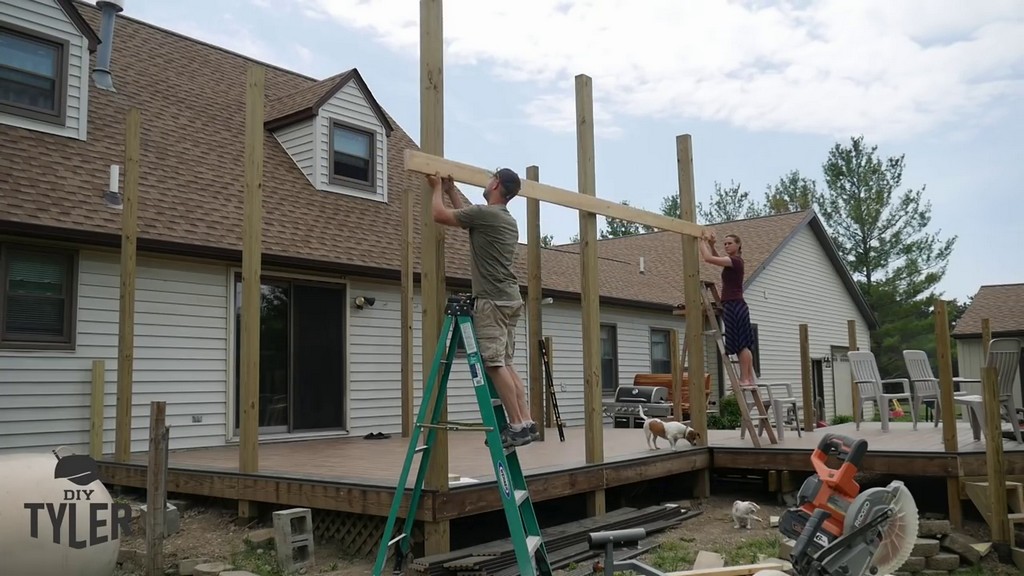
column 642, row 269
column 101, row 73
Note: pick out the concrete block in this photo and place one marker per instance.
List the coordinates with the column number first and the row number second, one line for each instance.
column 928, row 528
column 914, row 564
column 261, row 538
column 707, row 560
column 211, row 569
column 786, row 547
column 943, row 561
column 188, row 567
column 963, row 547
column 925, row 547
column 172, row 518
column 293, row 524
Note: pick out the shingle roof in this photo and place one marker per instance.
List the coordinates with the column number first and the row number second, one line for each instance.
column 192, row 101
column 306, row 102
column 1002, row 304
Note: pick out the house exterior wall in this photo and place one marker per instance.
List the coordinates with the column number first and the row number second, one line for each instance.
column 801, row 286
column 969, row 360
column 299, row 141
column 47, row 17
column 350, row 106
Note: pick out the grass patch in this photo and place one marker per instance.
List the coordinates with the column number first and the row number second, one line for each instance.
column 672, row 555
column 747, row 552
column 260, row 561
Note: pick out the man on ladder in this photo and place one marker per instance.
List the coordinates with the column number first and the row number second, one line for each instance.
column 498, row 305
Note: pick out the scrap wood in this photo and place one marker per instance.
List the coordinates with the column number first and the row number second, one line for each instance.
column 746, row 570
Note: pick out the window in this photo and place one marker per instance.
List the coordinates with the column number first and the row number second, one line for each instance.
column 37, row 298
column 353, row 156
column 661, row 356
column 33, row 74
column 609, row 359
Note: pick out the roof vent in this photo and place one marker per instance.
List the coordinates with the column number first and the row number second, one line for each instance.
column 643, row 270
column 101, row 73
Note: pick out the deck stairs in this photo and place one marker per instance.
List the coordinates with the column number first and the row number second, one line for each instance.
column 979, row 495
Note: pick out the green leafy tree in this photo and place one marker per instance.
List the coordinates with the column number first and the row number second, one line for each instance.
column 547, row 240
column 792, row 193
column 616, row 228
column 882, row 234
column 728, row 203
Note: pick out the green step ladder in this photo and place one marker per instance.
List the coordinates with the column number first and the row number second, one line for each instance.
column 531, row 554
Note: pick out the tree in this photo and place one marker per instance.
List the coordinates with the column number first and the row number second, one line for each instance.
column 547, row 240
column 792, row 193
column 728, row 203
column 616, row 228
column 882, row 235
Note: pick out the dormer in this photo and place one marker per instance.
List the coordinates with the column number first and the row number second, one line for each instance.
column 337, row 134
column 44, row 66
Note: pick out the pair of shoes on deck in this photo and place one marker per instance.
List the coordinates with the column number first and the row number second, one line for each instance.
column 521, row 437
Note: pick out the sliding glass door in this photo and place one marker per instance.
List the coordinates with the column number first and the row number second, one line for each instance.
column 302, row 355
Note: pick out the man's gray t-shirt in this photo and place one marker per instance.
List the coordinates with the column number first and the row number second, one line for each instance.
column 493, row 240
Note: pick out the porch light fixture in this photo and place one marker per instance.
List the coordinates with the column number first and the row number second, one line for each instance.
column 362, row 301
column 548, row 300
column 826, row 361
column 112, row 196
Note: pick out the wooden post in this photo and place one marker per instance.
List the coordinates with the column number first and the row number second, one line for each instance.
column 676, row 368
column 851, row 331
column 950, row 442
column 433, row 294
column 694, row 304
column 551, row 360
column 994, row 455
column 156, row 489
column 986, row 339
column 126, row 320
column 252, row 255
column 589, row 289
column 99, row 385
column 534, row 292
column 408, row 304
column 805, row 379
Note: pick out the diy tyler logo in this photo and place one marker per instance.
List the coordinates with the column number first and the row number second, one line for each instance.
column 107, row 521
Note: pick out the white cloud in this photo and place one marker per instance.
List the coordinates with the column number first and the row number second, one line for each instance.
column 835, row 67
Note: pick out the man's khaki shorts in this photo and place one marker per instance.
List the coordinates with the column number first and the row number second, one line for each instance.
column 495, row 324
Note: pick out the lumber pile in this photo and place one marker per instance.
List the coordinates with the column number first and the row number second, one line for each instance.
column 565, row 543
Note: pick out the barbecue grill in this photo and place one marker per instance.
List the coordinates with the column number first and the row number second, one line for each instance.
column 624, row 408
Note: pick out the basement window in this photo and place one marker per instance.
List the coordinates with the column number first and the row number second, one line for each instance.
column 33, row 74
column 353, row 156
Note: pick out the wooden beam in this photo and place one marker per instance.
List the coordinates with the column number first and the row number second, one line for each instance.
column 986, row 338
column 745, row 570
column 994, row 455
column 589, row 289
column 676, row 363
column 433, row 294
column 126, row 320
column 694, row 310
column 534, row 292
column 805, row 379
column 252, row 256
column 99, row 385
column 950, row 442
column 407, row 306
column 426, row 163
column 851, row 334
column 156, row 489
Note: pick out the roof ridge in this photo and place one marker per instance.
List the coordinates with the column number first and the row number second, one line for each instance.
column 1006, row 285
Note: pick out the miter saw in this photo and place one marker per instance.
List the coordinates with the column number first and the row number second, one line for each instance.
column 840, row 531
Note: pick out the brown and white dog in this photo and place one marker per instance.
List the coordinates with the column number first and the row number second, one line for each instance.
column 655, row 428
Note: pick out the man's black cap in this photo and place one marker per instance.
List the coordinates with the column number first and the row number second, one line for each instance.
column 509, row 181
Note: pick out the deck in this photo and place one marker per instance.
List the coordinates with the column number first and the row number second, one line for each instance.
column 359, row 476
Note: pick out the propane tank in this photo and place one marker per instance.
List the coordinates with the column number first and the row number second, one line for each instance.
column 56, row 517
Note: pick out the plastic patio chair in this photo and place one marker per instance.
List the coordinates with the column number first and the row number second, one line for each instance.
column 924, row 384
column 1004, row 356
column 871, row 386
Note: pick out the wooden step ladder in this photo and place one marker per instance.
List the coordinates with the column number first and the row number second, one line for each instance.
column 746, row 396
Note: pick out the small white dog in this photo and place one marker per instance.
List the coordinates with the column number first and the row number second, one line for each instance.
column 655, row 428
column 743, row 512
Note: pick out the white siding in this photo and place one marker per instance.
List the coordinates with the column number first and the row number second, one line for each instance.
column 350, row 106
column 969, row 362
column 46, row 17
column 180, row 358
column 800, row 286
column 298, row 140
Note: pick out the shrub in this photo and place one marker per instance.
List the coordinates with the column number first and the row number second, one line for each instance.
column 728, row 417
column 841, row 419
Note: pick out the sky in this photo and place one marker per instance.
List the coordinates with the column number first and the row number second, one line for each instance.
column 762, row 86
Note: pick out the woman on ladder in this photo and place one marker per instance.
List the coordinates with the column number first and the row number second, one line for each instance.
column 739, row 334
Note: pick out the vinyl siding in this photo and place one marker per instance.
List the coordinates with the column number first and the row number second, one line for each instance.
column 47, row 17
column 350, row 106
column 298, row 141
column 969, row 361
column 180, row 357
column 800, row 286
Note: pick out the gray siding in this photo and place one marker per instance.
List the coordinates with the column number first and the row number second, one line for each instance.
column 298, row 141
column 46, row 17
column 802, row 287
